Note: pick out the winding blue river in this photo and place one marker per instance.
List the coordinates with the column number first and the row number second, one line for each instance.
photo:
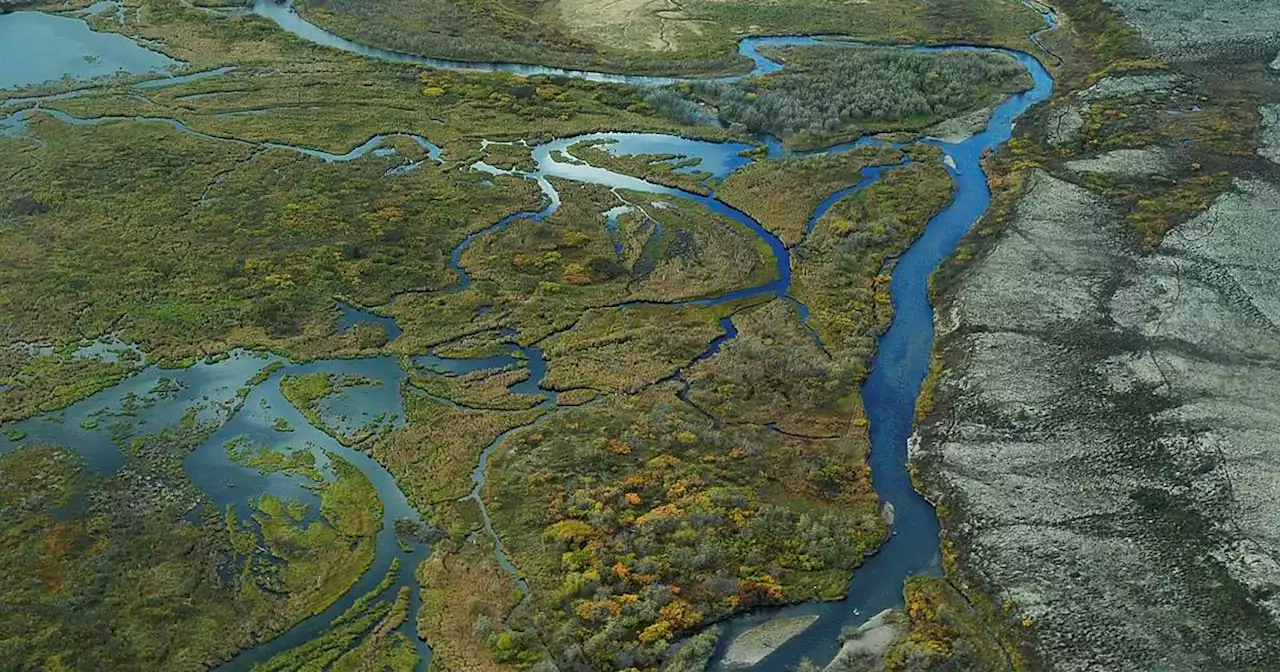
column 898, row 370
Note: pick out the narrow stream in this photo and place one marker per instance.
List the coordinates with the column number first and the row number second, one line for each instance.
column 899, row 367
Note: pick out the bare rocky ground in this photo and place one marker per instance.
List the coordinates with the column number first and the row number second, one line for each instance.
column 1111, row 432
column 1206, row 29
column 961, row 128
column 1065, row 128
column 1128, row 162
column 1107, row 437
column 1271, row 132
column 753, row 645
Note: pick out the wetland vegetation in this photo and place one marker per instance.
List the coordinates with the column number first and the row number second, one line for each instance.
column 685, row 456
column 182, row 585
column 637, row 519
column 783, row 195
column 827, row 94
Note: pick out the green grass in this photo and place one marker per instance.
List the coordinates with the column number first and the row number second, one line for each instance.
column 801, row 389
column 267, row 460
column 507, row 30
column 671, row 250
column 318, row 563
column 307, row 392
column 466, row 598
column 484, row 389
column 433, row 454
column 995, row 22
column 537, row 277
column 361, row 638
column 31, row 383
column 128, row 549
column 125, row 556
column 383, row 649
column 258, row 264
column 657, row 168
column 782, row 194
column 622, row 349
column 842, row 277
column 263, row 374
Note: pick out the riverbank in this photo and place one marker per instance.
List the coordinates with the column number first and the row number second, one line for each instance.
column 1096, row 451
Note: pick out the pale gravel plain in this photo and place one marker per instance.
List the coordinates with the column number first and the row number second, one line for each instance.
column 1271, row 132
column 1109, row 435
column 961, row 128
column 1206, row 29
column 1129, row 162
column 1108, row 432
column 1130, row 85
column 753, row 645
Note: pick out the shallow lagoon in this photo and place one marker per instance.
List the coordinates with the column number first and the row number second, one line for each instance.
column 49, row 48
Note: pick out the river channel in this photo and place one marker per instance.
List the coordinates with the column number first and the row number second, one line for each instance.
column 158, row 398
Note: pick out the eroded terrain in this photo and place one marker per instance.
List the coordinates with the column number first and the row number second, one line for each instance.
column 1101, row 442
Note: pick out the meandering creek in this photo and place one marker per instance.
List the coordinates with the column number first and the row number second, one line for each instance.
column 157, row 398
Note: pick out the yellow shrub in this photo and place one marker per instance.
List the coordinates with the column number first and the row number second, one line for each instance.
column 568, row 530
